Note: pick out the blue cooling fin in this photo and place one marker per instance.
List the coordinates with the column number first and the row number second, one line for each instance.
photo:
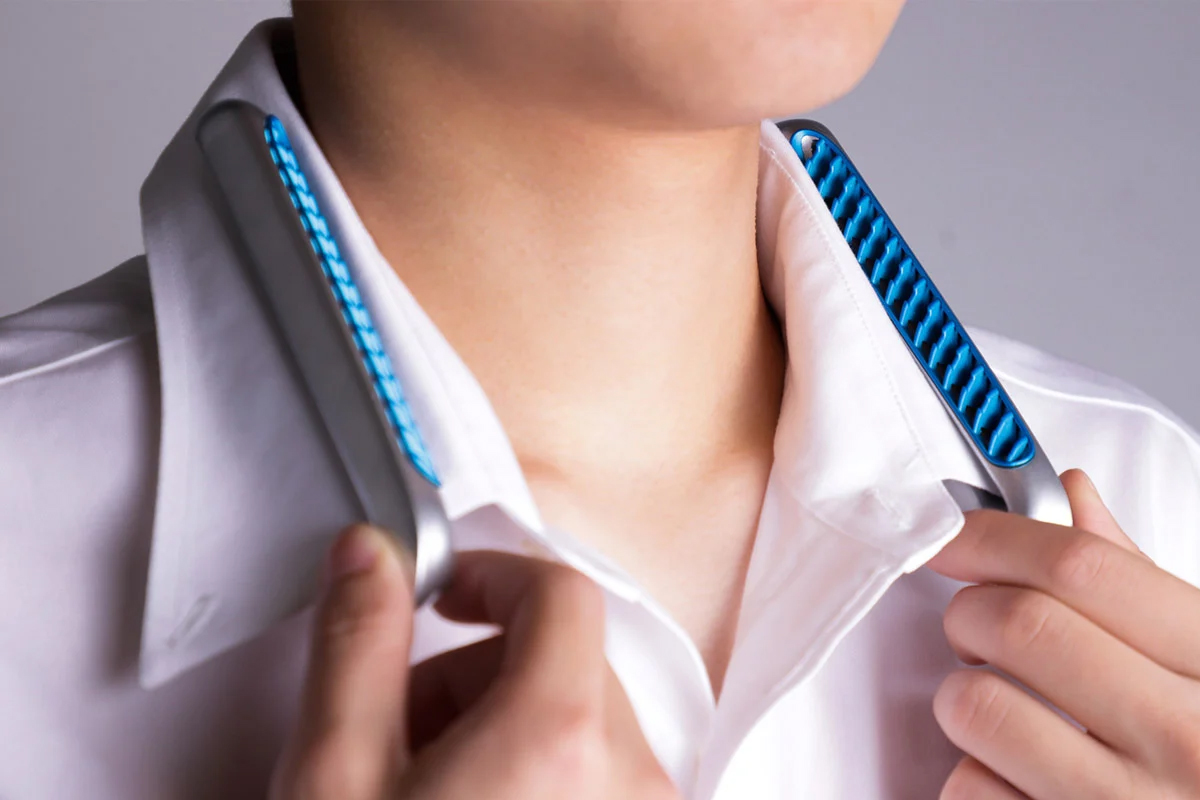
column 936, row 338
column 355, row 314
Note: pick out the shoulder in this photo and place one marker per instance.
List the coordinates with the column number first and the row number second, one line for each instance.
column 1058, row 391
column 1144, row 459
column 79, row 408
column 78, row 324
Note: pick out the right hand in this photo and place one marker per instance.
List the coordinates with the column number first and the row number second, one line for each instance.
column 535, row 712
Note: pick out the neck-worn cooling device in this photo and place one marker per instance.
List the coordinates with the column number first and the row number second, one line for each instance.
column 971, row 393
column 291, row 256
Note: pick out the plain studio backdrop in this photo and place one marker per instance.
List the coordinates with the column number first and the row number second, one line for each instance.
column 1042, row 158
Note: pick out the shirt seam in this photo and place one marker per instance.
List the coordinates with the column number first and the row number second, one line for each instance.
column 74, row 358
column 1126, row 405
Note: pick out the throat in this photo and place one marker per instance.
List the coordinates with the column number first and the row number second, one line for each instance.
column 669, row 484
column 602, row 284
column 688, row 546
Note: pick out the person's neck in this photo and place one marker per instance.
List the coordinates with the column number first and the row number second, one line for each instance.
column 600, row 282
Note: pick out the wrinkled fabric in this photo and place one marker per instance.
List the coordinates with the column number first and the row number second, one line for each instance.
column 165, row 499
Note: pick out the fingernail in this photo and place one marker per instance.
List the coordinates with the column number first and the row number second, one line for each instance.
column 1088, row 479
column 354, row 553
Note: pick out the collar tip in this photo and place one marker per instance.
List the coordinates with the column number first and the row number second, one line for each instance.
column 154, row 670
column 920, row 557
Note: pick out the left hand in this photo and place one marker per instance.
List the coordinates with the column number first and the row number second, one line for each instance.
column 1080, row 616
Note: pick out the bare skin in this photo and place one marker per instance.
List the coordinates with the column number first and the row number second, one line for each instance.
column 1082, row 617
column 568, row 189
column 533, row 714
column 1077, row 614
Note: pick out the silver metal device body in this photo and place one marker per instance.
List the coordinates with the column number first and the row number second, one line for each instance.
column 279, row 259
column 1033, row 489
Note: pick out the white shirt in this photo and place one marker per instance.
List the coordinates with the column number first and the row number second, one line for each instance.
column 162, row 483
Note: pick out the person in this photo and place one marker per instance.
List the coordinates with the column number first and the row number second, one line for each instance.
column 694, row 476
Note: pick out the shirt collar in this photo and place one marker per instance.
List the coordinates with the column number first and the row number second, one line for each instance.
column 862, row 428
column 248, row 494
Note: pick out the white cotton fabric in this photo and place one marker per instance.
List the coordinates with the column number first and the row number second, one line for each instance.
column 165, row 500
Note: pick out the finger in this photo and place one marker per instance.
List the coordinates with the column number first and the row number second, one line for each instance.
column 350, row 734
column 1117, row 693
column 1090, row 513
column 1025, row 743
column 553, row 617
column 443, row 688
column 971, row 780
column 1122, row 592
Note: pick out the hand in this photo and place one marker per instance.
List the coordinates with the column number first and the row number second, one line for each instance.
column 533, row 713
column 1084, row 619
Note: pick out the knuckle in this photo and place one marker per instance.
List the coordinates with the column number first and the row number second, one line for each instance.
column 340, row 627
column 348, row 609
column 1079, row 563
column 961, row 615
column 358, row 609
column 971, row 706
column 335, row 624
column 1024, row 620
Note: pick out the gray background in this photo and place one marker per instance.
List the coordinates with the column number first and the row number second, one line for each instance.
column 1041, row 158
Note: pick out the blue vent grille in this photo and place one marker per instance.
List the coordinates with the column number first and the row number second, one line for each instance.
column 930, row 329
column 358, row 320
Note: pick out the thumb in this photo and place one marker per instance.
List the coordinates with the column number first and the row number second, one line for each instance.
column 1089, row 513
column 350, row 736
